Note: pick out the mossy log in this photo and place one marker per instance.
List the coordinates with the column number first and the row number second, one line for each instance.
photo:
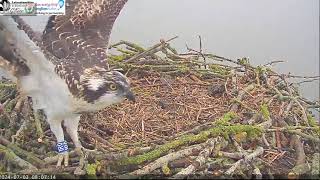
column 28, row 156
column 12, row 157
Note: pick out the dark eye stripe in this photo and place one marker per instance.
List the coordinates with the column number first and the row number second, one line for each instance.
column 90, row 95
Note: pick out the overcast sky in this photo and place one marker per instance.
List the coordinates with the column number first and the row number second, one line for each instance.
column 263, row 30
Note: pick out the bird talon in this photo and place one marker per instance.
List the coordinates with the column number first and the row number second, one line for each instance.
column 62, row 148
column 82, row 156
column 63, row 157
column 66, row 159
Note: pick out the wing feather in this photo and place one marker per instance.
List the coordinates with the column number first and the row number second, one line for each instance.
column 81, row 36
column 10, row 58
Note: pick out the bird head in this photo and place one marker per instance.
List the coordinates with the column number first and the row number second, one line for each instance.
column 103, row 88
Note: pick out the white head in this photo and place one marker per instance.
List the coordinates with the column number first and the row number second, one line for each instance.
column 104, row 88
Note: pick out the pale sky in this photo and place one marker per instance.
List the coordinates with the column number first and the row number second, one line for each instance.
column 263, row 30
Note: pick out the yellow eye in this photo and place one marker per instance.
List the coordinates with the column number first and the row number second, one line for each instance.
column 113, row 87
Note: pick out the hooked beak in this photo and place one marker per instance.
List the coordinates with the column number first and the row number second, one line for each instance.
column 130, row 96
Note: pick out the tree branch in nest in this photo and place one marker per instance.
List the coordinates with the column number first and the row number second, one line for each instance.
column 149, row 51
column 12, row 157
column 168, row 158
column 210, row 144
column 247, row 159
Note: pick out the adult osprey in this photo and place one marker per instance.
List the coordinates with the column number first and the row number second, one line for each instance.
column 66, row 72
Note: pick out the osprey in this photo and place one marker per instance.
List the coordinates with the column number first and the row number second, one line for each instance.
column 66, row 70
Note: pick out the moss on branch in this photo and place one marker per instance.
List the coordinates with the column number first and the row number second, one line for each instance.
column 223, row 127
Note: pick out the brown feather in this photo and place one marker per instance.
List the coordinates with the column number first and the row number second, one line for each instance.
column 84, row 31
column 78, row 40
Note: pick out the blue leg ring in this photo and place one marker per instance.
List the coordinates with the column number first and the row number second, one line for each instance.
column 62, row 147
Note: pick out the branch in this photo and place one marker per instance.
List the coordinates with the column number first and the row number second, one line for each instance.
column 240, row 96
column 167, row 158
column 16, row 159
column 22, row 153
column 259, row 151
column 149, row 51
column 315, row 164
column 200, row 160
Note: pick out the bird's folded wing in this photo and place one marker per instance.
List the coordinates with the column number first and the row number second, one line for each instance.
column 80, row 38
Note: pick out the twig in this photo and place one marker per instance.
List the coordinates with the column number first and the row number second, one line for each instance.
column 200, row 50
column 284, row 129
column 22, row 127
column 264, row 139
column 248, row 158
column 306, row 81
column 200, row 160
column 257, row 173
column 309, row 137
column 240, row 96
column 315, row 166
column 235, row 155
column 273, row 62
column 296, row 76
column 37, row 122
column 300, row 166
column 293, row 130
column 52, row 170
column 148, row 51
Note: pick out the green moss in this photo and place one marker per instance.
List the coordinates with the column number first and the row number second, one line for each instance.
column 91, row 169
column 8, row 154
column 133, row 45
column 244, row 61
column 219, row 69
column 7, row 86
column 118, row 57
column 226, row 118
column 221, row 128
column 29, row 156
column 184, row 69
column 165, row 169
column 126, row 52
column 313, row 123
column 7, row 91
column 264, row 110
column 268, row 69
column 9, row 107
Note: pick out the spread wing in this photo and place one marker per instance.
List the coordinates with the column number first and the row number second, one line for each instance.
column 10, row 58
column 80, row 38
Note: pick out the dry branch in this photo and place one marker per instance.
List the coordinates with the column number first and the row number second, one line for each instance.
column 247, row 159
column 201, row 159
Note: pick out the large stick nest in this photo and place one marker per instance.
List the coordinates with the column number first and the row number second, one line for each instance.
column 237, row 119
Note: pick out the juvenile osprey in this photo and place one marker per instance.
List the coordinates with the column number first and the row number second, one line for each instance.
column 66, row 72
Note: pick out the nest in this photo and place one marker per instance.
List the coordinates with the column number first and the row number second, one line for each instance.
column 196, row 114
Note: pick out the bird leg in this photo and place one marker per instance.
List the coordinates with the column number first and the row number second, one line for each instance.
column 62, row 146
column 72, row 129
column 71, row 125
